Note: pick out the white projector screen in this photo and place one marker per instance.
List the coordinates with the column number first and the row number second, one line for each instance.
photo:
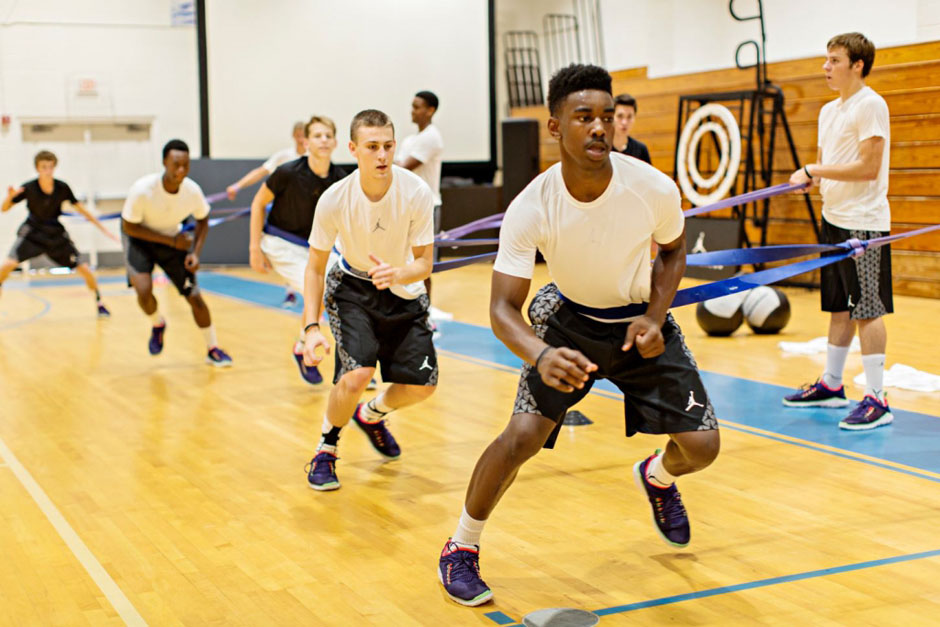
column 276, row 62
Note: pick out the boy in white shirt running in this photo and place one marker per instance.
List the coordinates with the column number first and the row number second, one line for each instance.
column 382, row 216
column 153, row 211
column 606, row 315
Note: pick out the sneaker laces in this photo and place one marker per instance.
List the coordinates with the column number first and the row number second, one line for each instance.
column 313, row 462
column 467, row 564
column 862, row 408
column 671, row 506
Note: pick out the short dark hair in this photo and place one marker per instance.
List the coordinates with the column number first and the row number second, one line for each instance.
column 858, row 47
column 174, row 144
column 45, row 155
column 625, row 100
column 574, row 78
column 429, row 97
column 372, row 118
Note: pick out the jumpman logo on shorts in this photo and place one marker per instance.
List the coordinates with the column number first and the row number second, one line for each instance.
column 426, row 365
column 851, row 305
column 378, row 225
column 692, row 401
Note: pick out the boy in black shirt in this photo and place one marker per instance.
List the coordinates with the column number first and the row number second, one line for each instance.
column 294, row 189
column 42, row 232
column 624, row 117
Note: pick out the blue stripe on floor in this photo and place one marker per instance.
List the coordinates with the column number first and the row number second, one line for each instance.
column 910, row 441
column 761, row 583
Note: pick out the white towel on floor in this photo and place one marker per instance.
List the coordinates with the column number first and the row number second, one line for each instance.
column 906, row 378
column 814, row 346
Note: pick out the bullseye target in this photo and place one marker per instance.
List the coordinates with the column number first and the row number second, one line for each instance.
column 724, row 127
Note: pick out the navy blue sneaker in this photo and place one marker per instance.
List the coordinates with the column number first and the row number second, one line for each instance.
column 103, row 311
column 310, row 374
column 817, row 395
column 218, row 358
column 459, row 571
column 869, row 414
column 290, row 299
column 669, row 515
column 381, row 438
column 156, row 339
column 321, row 472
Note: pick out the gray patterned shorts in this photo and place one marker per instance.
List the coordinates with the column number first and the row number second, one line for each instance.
column 664, row 394
column 859, row 285
column 375, row 327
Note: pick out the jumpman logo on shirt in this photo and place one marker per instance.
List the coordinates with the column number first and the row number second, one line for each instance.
column 425, row 365
column 378, row 225
column 692, row 401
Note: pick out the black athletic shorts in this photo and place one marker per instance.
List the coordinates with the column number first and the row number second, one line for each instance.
column 141, row 255
column 664, row 394
column 859, row 285
column 33, row 240
column 375, row 326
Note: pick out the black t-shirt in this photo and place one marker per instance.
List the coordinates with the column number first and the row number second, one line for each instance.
column 637, row 149
column 296, row 191
column 45, row 209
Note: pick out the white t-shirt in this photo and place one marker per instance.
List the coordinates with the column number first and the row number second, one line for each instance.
column 149, row 204
column 389, row 229
column 280, row 158
column 598, row 253
column 428, row 148
column 858, row 205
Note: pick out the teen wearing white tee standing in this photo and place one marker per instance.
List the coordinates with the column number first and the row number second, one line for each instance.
column 423, row 154
column 381, row 215
column 851, row 169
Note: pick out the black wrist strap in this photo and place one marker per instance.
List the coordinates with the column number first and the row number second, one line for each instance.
column 542, row 354
column 312, row 324
column 806, row 169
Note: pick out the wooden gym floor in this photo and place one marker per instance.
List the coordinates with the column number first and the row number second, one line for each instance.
column 139, row 489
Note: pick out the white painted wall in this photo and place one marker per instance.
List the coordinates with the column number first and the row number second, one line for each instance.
column 271, row 63
column 681, row 36
column 143, row 67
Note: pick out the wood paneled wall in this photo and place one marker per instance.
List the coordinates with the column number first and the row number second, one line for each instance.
column 908, row 77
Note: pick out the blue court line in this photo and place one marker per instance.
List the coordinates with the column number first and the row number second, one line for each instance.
column 64, row 281
column 46, row 306
column 809, row 445
column 478, row 344
column 910, row 441
column 499, row 618
column 750, row 585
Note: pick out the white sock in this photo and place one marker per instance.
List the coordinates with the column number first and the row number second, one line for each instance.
column 835, row 364
column 657, row 474
column 209, row 334
column 156, row 319
column 468, row 530
column 874, row 366
column 376, row 409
